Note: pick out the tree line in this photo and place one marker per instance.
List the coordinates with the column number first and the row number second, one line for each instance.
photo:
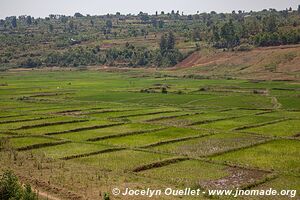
column 60, row 40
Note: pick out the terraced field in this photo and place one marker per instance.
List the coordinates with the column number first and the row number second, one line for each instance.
column 88, row 131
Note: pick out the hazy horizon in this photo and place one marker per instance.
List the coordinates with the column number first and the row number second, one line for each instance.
column 43, row 8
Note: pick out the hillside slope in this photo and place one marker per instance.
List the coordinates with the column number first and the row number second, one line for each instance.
column 272, row 63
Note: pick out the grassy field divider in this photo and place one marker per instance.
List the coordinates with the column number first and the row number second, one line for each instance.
column 23, row 120
column 124, row 134
column 213, row 120
column 50, row 94
column 175, row 140
column 158, row 164
column 263, row 112
column 76, row 110
column 170, row 117
column 297, row 135
column 91, row 153
column 107, row 111
column 144, row 114
column 85, row 128
column 260, row 124
column 16, row 115
column 258, row 109
column 67, row 111
column 50, row 124
column 37, row 146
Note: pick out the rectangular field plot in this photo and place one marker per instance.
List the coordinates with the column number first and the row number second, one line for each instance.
column 69, row 149
column 195, row 173
column 145, row 98
column 234, row 100
column 28, row 141
column 285, row 128
column 37, row 122
column 120, row 160
column 188, row 173
column 209, row 145
column 283, row 114
column 204, row 117
column 55, row 129
column 17, row 117
column 132, row 112
column 282, row 183
column 3, row 135
column 155, row 117
column 290, row 102
column 107, row 132
column 236, row 123
column 152, row 137
column 280, row 155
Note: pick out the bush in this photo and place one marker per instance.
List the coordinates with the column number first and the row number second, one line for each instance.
column 10, row 188
column 244, row 47
column 31, row 63
column 106, row 196
column 164, row 90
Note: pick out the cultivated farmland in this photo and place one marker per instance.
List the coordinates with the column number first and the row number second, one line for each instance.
column 79, row 134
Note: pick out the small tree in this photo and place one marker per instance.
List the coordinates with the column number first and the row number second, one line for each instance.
column 164, row 90
column 10, row 188
column 14, row 22
column 171, row 41
column 28, row 20
column 106, row 196
column 163, row 44
column 109, row 24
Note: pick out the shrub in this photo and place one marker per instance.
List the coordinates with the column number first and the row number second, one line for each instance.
column 164, row 90
column 10, row 188
column 106, row 196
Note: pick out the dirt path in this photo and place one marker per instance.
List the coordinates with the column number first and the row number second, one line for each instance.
column 276, row 104
column 45, row 195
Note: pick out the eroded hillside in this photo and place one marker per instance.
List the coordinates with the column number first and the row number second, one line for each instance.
column 272, row 63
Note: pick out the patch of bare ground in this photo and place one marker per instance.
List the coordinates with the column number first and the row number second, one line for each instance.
column 237, row 178
column 46, row 188
column 67, row 180
column 272, row 63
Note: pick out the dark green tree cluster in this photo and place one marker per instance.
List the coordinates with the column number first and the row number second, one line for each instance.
column 277, row 38
column 32, row 42
column 10, row 188
column 227, row 37
column 169, row 55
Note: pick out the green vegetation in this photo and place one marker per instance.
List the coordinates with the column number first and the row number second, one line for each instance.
column 121, row 161
column 10, row 188
column 286, row 128
column 138, row 40
column 198, row 172
column 278, row 155
column 81, row 133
